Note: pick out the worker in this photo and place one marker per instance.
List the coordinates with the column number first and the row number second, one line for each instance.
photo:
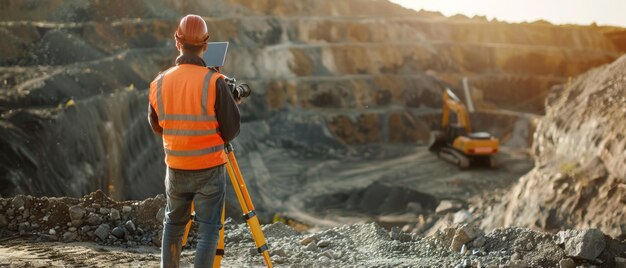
column 191, row 107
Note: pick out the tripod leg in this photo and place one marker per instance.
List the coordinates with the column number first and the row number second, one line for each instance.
column 188, row 225
column 219, row 254
column 240, row 181
column 246, row 206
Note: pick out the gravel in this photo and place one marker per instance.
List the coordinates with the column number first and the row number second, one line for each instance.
column 358, row 245
column 369, row 245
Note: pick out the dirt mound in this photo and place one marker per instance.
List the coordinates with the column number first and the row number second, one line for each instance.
column 59, row 47
column 578, row 181
column 376, row 199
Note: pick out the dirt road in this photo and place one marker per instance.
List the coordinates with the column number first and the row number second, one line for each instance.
column 319, row 191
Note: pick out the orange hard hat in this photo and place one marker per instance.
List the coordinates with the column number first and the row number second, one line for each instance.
column 192, row 30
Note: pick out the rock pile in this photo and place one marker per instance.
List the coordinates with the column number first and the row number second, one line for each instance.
column 97, row 218
column 94, row 217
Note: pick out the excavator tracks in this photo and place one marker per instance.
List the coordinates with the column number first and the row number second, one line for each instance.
column 454, row 157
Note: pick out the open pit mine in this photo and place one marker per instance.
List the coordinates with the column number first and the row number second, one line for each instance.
column 334, row 138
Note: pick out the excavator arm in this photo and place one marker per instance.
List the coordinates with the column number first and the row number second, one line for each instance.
column 452, row 103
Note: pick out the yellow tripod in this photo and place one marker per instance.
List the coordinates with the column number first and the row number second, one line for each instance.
column 249, row 214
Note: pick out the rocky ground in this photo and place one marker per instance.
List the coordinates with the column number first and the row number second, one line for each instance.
column 97, row 231
column 127, row 234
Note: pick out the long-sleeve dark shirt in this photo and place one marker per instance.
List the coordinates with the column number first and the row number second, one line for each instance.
column 226, row 110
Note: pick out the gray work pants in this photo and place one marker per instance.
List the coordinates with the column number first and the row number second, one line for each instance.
column 206, row 188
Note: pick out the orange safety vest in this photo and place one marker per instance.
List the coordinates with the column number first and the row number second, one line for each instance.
column 184, row 100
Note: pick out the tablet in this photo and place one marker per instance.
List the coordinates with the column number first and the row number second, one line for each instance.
column 215, row 54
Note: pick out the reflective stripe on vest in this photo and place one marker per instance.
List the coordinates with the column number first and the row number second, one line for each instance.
column 188, row 117
column 189, row 132
column 195, row 152
column 191, row 138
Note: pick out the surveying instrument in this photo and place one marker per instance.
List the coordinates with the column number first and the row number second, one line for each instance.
column 249, row 214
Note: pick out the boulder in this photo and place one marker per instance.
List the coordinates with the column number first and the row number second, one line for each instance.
column 19, row 201
column 69, row 236
column 307, row 240
column 126, row 209
column 103, row 231
column 323, row 243
column 479, row 242
column 463, row 235
column 94, row 219
column 77, row 212
column 448, row 206
column 462, row 216
column 583, row 244
column 114, row 215
column 130, row 226
column 85, row 229
column 119, row 232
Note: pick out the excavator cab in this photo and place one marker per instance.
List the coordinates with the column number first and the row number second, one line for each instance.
column 456, row 143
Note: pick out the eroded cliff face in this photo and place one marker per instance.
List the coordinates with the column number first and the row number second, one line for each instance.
column 70, row 128
column 580, row 176
column 368, row 71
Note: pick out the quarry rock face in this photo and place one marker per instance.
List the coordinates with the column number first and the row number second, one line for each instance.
column 74, row 78
column 580, row 151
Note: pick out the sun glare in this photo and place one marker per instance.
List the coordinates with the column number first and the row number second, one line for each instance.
column 585, row 12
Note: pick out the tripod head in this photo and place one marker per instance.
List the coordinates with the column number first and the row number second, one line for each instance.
column 228, row 148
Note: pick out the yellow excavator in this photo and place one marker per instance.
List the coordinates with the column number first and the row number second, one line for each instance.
column 456, row 143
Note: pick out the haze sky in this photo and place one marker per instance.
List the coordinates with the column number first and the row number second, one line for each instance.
column 585, row 12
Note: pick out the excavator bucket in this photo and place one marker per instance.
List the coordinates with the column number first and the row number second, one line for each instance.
column 437, row 141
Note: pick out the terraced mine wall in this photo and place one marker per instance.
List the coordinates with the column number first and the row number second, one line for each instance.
column 367, row 71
